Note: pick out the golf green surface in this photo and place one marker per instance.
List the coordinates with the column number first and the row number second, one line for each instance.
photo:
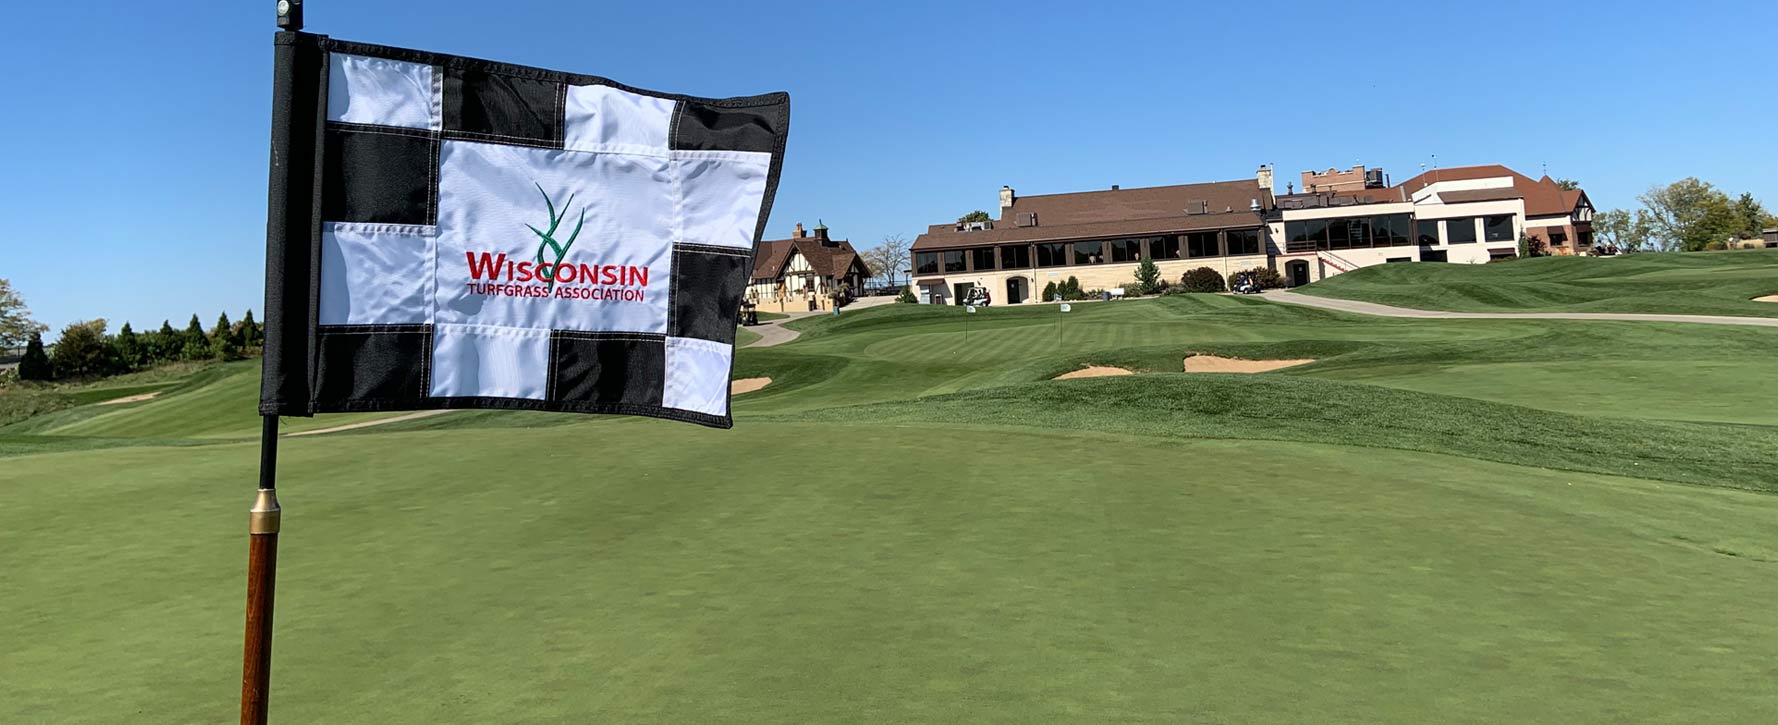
column 1437, row 521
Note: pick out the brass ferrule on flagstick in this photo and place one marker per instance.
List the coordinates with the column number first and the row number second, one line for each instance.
column 263, row 518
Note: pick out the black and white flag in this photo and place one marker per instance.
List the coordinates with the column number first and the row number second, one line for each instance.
column 456, row 233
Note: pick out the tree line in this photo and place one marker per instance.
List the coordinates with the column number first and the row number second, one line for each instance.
column 86, row 350
column 1688, row 215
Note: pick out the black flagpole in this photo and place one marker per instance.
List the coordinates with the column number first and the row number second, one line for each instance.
column 263, row 518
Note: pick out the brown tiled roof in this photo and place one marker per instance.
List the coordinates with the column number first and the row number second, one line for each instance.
column 1543, row 197
column 827, row 261
column 1121, row 212
column 1463, row 195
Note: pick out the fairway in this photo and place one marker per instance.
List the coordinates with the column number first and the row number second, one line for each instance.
column 1436, row 521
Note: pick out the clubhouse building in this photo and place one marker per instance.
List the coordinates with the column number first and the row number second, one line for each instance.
column 1340, row 221
column 790, row 273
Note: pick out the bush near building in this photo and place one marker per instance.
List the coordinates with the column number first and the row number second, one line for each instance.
column 1265, row 277
column 907, row 297
column 1202, row 279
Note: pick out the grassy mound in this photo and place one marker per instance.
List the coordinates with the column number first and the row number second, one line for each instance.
column 1709, row 283
column 1284, row 408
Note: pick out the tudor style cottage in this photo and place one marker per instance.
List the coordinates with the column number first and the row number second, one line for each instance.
column 789, row 273
column 1342, row 220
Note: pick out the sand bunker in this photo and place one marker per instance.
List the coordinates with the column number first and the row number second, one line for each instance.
column 747, row 385
column 1767, row 298
column 1214, row 364
column 1094, row 371
column 131, row 399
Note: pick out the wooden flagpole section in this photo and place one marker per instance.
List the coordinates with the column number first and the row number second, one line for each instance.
column 262, row 576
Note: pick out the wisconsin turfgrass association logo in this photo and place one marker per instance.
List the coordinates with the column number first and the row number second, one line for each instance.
column 507, row 278
column 547, row 272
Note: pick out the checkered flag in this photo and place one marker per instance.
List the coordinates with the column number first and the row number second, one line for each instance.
column 457, row 233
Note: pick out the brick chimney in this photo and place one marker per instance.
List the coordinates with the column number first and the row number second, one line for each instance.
column 1264, row 177
column 799, row 230
column 1006, row 199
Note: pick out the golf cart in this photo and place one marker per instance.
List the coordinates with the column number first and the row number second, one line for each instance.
column 1244, row 283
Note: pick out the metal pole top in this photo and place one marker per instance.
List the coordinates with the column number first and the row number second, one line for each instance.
column 290, row 15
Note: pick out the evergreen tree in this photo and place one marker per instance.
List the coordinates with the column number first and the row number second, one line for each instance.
column 1071, row 288
column 251, row 335
column 35, row 364
column 131, row 353
column 166, row 344
column 1050, row 292
column 1148, row 275
column 224, row 348
column 196, row 344
column 224, row 328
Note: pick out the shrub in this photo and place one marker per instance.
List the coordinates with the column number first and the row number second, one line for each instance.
column 1265, row 277
column 83, row 350
column 1716, row 246
column 907, row 297
column 1050, row 292
column 1134, row 289
column 1070, row 289
column 1202, row 279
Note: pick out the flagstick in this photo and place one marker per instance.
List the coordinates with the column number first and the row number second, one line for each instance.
column 263, row 518
column 262, row 574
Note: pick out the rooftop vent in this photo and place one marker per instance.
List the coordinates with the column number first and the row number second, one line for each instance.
column 975, row 226
column 1026, row 219
column 1197, row 206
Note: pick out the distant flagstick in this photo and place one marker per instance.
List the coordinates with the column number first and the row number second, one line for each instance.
column 263, row 518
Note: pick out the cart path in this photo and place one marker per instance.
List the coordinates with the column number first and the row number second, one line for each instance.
column 774, row 332
column 369, row 423
column 1372, row 308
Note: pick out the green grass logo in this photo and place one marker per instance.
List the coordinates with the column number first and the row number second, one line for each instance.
column 547, row 239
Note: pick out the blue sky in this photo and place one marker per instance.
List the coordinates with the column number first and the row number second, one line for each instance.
column 132, row 180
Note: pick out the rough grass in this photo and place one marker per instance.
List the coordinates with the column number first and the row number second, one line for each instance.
column 1702, row 283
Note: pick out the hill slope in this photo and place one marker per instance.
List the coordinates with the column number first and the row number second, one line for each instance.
column 1708, row 283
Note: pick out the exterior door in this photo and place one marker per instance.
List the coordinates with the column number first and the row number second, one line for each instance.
column 1299, row 272
column 1016, row 290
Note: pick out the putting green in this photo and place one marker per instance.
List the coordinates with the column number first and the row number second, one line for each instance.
column 604, row 571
